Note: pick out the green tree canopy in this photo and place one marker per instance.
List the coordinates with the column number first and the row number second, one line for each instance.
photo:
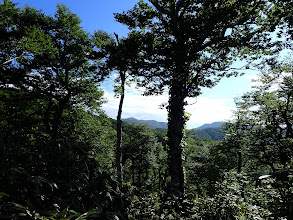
column 53, row 150
column 266, row 116
column 187, row 45
column 50, row 59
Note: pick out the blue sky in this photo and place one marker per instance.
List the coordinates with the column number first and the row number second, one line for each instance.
column 214, row 104
column 95, row 14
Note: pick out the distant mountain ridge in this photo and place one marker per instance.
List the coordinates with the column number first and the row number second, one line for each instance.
column 212, row 131
column 211, row 125
column 216, row 133
column 151, row 123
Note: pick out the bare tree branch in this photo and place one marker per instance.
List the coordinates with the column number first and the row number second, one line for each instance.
column 117, row 38
column 10, row 60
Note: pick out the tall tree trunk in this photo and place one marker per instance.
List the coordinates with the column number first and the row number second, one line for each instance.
column 176, row 121
column 53, row 125
column 119, row 131
column 239, row 166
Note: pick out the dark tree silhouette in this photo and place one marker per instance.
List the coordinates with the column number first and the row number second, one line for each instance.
column 188, row 45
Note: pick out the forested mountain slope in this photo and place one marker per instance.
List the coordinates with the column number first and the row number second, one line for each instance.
column 211, row 131
column 216, row 133
column 58, row 149
column 216, row 124
column 151, row 123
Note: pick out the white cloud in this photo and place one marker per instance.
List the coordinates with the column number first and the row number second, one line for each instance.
column 275, row 85
column 203, row 109
column 279, row 81
column 137, row 106
column 254, row 80
column 208, row 110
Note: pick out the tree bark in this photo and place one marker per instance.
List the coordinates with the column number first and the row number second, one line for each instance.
column 239, row 166
column 119, row 132
column 176, row 123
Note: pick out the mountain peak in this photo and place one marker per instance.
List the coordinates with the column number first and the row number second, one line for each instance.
column 151, row 123
column 211, row 125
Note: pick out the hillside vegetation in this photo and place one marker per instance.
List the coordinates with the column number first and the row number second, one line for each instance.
column 212, row 131
column 62, row 157
column 150, row 123
column 208, row 134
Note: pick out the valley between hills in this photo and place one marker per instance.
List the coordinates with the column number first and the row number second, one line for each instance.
column 212, row 131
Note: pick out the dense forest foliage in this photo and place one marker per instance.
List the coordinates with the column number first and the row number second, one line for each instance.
column 62, row 157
